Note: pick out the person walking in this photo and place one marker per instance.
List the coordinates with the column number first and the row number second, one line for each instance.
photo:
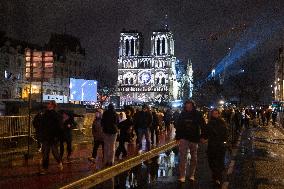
column 176, row 117
column 268, row 116
column 66, row 134
column 125, row 135
column 154, row 128
column 37, row 124
column 216, row 132
column 143, row 125
column 168, row 118
column 97, row 131
column 274, row 117
column 189, row 130
column 109, row 123
column 247, row 119
column 51, row 128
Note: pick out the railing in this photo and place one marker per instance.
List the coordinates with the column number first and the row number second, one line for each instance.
column 110, row 172
column 14, row 126
column 14, row 130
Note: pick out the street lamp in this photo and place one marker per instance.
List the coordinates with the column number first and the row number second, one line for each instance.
column 222, row 102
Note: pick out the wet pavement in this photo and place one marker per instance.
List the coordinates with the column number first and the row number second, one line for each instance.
column 261, row 159
column 24, row 174
column 256, row 163
column 161, row 172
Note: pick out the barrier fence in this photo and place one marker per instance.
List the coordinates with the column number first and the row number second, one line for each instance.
column 14, row 126
column 14, row 131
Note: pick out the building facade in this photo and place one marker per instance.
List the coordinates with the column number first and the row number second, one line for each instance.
column 147, row 78
column 278, row 87
column 12, row 68
column 69, row 61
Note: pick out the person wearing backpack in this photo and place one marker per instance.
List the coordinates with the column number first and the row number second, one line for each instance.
column 216, row 132
column 97, row 132
column 189, row 130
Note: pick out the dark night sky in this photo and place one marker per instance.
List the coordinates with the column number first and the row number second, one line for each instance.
column 98, row 23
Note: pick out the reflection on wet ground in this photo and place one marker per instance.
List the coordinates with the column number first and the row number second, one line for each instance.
column 146, row 174
column 161, row 172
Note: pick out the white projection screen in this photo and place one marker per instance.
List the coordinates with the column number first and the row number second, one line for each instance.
column 83, row 90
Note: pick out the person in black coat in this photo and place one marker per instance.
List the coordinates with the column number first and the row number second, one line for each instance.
column 155, row 127
column 37, row 124
column 143, row 123
column 189, row 131
column 51, row 130
column 217, row 134
column 126, row 128
column 168, row 118
column 109, row 123
column 68, row 124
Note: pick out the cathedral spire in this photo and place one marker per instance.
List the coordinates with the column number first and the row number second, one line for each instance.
column 189, row 67
column 166, row 24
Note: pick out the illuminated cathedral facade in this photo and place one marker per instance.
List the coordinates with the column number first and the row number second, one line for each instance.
column 148, row 78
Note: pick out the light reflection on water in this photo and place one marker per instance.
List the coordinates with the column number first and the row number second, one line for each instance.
column 144, row 174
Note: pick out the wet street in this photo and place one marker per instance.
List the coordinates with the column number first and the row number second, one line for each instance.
column 260, row 161
column 161, row 172
column 255, row 162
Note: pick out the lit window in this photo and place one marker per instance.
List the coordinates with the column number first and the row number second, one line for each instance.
column 6, row 74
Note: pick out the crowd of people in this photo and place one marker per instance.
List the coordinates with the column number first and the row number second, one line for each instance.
column 218, row 128
column 129, row 126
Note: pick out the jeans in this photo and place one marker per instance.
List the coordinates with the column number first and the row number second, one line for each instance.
column 46, row 147
column 184, row 145
column 216, row 159
column 144, row 132
column 97, row 143
column 154, row 134
column 68, row 141
column 121, row 149
column 109, row 148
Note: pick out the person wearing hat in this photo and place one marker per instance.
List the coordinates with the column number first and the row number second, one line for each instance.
column 189, row 130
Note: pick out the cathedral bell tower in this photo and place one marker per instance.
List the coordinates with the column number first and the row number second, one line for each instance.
column 162, row 42
column 130, row 44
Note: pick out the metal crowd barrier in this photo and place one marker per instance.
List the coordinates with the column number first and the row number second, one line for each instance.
column 14, row 126
column 18, row 126
column 84, row 124
column 14, row 132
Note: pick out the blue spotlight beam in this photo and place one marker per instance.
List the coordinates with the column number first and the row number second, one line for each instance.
column 261, row 31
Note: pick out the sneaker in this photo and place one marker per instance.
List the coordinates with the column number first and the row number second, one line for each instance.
column 60, row 166
column 42, row 171
column 192, row 179
column 217, row 183
column 181, row 179
column 68, row 161
column 91, row 159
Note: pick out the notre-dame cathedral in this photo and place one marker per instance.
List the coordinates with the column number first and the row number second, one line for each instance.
column 149, row 78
